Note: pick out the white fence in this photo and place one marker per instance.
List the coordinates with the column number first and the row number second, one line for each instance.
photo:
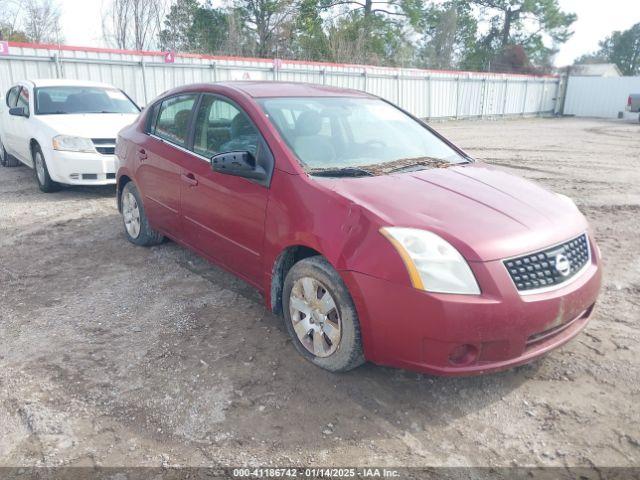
column 599, row 96
column 425, row 93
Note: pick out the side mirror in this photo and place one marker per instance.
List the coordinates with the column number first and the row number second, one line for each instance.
column 240, row 164
column 18, row 112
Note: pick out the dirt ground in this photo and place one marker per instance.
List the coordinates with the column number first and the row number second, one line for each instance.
column 116, row 355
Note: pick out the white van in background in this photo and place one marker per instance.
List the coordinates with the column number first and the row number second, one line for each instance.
column 64, row 129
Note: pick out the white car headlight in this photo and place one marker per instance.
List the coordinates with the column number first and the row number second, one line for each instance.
column 73, row 144
column 434, row 265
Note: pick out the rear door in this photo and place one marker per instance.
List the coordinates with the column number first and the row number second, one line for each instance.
column 159, row 159
column 224, row 215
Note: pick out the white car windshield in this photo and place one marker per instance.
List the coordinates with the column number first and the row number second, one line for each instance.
column 75, row 100
column 328, row 133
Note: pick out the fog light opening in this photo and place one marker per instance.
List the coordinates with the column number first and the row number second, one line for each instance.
column 463, row 355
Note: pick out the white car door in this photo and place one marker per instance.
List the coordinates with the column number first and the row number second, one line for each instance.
column 20, row 127
column 8, row 139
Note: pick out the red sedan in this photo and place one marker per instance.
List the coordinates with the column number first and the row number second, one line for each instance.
column 372, row 235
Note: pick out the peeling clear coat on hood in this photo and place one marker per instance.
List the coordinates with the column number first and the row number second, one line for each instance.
column 486, row 213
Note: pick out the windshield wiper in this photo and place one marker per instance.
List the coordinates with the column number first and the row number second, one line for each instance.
column 340, row 172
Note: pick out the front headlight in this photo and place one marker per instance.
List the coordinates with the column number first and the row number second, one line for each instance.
column 434, row 265
column 73, row 144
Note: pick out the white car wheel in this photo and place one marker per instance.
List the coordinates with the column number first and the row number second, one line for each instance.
column 7, row 160
column 39, row 161
column 42, row 172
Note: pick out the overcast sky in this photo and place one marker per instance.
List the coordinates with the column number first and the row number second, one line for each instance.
column 596, row 19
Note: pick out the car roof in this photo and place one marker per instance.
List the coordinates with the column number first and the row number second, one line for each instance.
column 265, row 89
column 63, row 82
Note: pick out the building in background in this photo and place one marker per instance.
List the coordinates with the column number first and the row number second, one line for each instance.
column 596, row 70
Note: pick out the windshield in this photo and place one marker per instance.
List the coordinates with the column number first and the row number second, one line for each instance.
column 343, row 133
column 62, row 100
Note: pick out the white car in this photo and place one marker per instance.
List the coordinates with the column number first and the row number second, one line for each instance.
column 65, row 130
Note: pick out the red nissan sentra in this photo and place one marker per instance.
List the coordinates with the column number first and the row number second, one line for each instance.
column 372, row 235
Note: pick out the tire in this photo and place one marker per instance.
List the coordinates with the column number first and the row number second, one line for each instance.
column 7, row 160
column 41, row 172
column 319, row 276
column 134, row 219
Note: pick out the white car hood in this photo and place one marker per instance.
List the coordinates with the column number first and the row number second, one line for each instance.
column 89, row 125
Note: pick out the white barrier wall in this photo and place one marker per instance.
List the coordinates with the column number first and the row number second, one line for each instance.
column 599, row 96
column 425, row 93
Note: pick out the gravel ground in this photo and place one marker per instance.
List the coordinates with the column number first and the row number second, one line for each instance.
column 116, row 355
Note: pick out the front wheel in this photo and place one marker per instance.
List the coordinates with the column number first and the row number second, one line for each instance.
column 42, row 172
column 136, row 224
column 320, row 316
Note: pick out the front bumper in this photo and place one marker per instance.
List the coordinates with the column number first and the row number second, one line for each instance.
column 79, row 168
column 447, row 334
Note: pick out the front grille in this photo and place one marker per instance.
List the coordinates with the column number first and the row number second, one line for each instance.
column 549, row 267
column 105, row 146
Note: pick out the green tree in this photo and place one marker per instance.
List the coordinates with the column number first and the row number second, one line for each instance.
column 372, row 31
column 539, row 26
column 448, row 31
column 355, row 38
column 310, row 41
column 268, row 25
column 191, row 27
column 210, row 30
column 407, row 9
column 178, row 32
column 621, row 48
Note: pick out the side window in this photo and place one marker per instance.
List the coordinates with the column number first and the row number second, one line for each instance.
column 150, row 124
column 23, row 99
column 221, row 127
column 12, row 97
column 172, row 122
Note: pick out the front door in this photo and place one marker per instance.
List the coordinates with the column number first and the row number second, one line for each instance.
column 159, row 160
column 17, row 143
column 224, row 215
column 21, row 125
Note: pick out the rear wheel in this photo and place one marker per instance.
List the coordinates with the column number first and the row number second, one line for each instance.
column 136, row 224
column 320, row 316
column 42, row 172
column 7, row 160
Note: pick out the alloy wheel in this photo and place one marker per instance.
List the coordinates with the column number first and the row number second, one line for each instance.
column 315, row 317
column 131, row 215
column 39, row 161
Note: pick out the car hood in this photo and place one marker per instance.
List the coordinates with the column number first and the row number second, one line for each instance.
column 486, row 213
column 90, row 125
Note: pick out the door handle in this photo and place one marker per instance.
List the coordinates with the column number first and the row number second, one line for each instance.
column 189, row 179
column 142, row 154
